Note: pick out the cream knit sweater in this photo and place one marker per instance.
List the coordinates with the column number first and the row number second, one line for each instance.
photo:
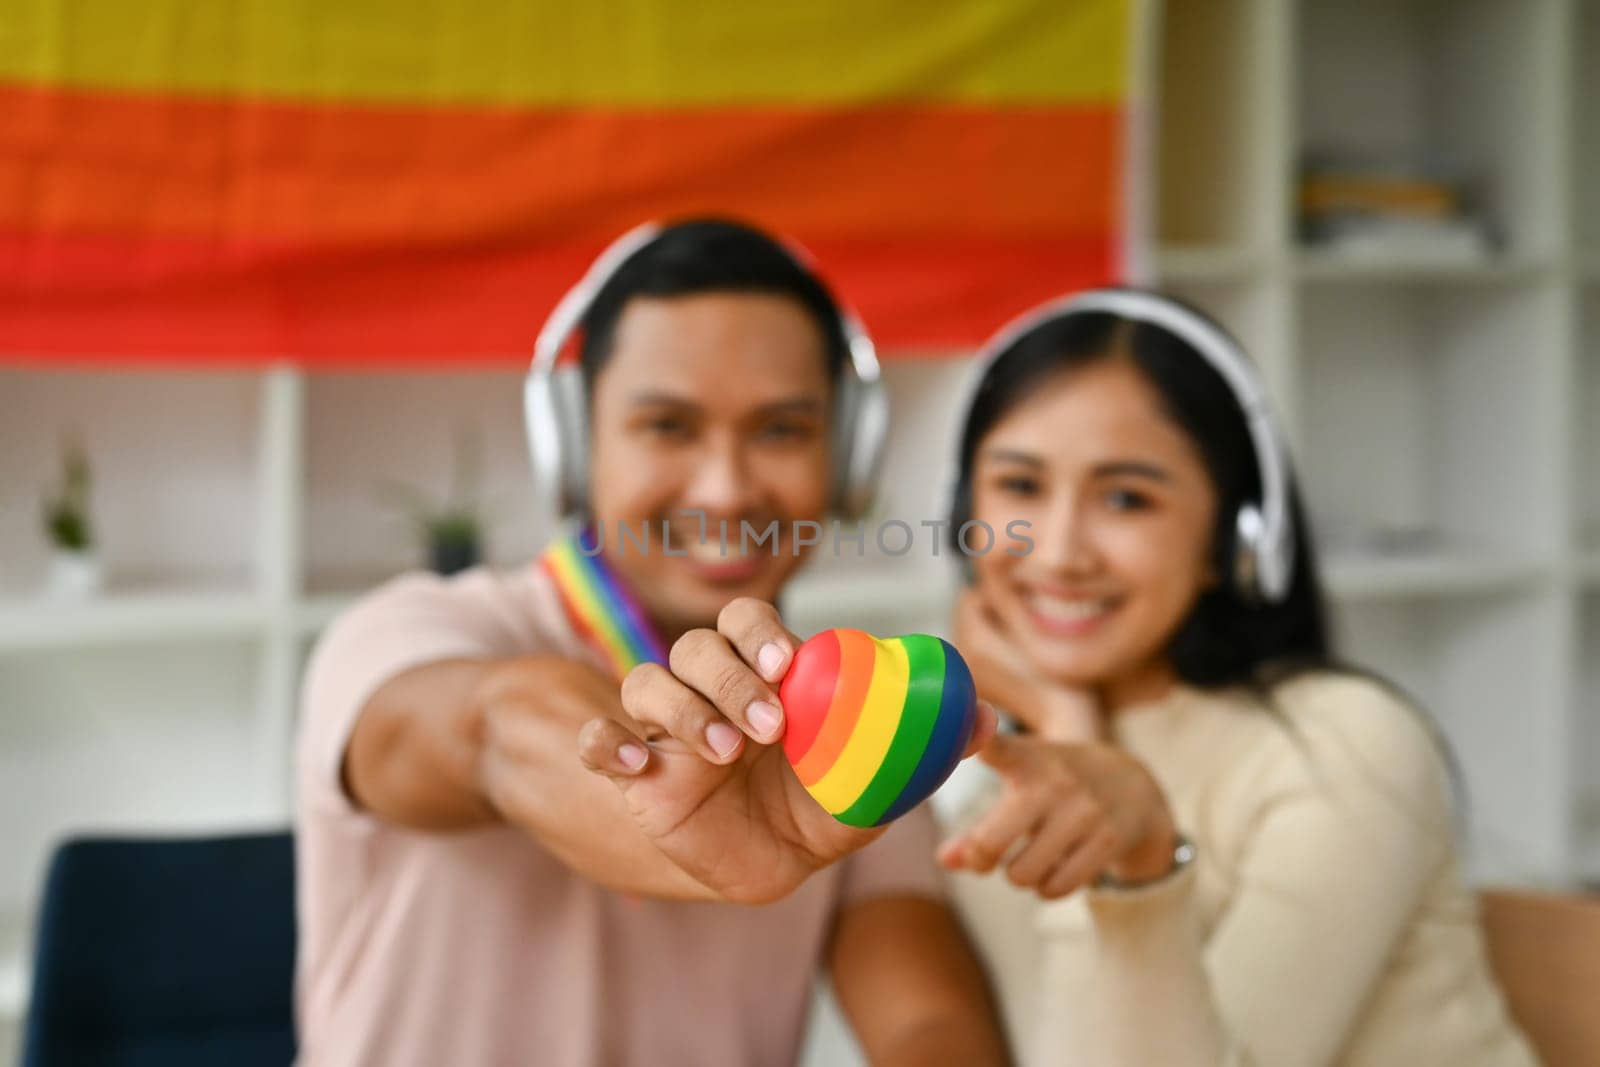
column 1324, row 920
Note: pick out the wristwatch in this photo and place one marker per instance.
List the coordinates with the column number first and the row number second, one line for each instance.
column 1183, row 853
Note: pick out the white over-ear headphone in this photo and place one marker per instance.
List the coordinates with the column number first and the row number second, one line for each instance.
column 1263, row 562
column 556, row 411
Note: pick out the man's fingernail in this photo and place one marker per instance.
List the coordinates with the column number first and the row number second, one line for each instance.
column 632, row 756
column 770, row 659
column 764, row 719
column 722, row 738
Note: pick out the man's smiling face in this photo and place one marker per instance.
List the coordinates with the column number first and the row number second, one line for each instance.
column 716, row 402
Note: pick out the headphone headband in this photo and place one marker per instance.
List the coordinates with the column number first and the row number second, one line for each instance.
column 555, row 410
column 575, row 302
column 1265, row 530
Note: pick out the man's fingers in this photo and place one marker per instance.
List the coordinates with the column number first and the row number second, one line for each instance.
column 705, row 662
column 758, row 634
column 607, row 747
column 660, row 703
column 984, row 728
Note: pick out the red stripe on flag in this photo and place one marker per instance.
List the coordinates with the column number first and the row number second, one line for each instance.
column 191, row 302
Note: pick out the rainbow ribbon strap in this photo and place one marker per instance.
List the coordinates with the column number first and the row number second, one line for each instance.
column 600, row 606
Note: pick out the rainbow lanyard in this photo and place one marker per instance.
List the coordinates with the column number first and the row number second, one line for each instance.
column 600, row 606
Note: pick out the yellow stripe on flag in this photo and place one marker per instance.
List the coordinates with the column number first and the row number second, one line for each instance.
column 621, row 53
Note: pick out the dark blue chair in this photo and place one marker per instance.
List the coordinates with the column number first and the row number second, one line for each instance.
column 165, row 952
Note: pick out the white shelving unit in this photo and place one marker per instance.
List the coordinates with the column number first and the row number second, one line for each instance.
column 1441, row 414
column 1449, row 409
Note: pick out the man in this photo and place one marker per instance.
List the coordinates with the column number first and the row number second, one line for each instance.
column 470, row 893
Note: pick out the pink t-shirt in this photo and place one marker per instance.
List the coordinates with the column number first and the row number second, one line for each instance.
column 479, row 947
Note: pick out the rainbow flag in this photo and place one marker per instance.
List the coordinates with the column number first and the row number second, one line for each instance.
column 342, row 182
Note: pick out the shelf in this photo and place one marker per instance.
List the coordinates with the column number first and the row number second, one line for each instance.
column 130, row 618
column 368, row 433
column 1415, row 419
column 1494, row 672
column 1251, row 311
column 1199, row 264
column 1218, row 94
column 1467, row 91
column 1329, row 268
column 1352, row 577
column 175, row 474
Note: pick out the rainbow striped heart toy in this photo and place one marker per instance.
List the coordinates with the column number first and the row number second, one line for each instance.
column 874, row 727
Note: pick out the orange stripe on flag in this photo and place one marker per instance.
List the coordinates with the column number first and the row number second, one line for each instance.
column 85, row 163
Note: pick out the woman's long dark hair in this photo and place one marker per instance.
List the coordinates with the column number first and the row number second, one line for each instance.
column 1227, row 638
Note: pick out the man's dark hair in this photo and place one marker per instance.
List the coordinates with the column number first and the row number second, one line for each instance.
column 701, row 256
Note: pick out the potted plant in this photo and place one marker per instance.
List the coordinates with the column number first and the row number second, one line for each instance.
column 455, row 541
column 451, row 531
column 75, row 568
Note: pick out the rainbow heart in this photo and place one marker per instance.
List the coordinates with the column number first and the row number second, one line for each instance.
column 874, row 727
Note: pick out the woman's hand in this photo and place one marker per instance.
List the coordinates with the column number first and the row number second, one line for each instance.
column 1069, row 813
column 1005, row 677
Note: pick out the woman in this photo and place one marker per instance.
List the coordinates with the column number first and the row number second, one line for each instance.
column 1264, row 838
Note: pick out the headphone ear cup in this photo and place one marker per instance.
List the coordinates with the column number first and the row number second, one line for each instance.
column 542, row 423
column 1248, row 530
column 959, row 511
column 860, row 427
column 570, row 411
column 846, row 407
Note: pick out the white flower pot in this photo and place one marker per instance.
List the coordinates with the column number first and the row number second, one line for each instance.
column 74, row 575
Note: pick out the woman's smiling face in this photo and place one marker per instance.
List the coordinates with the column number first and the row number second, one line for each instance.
column 1122, row 511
